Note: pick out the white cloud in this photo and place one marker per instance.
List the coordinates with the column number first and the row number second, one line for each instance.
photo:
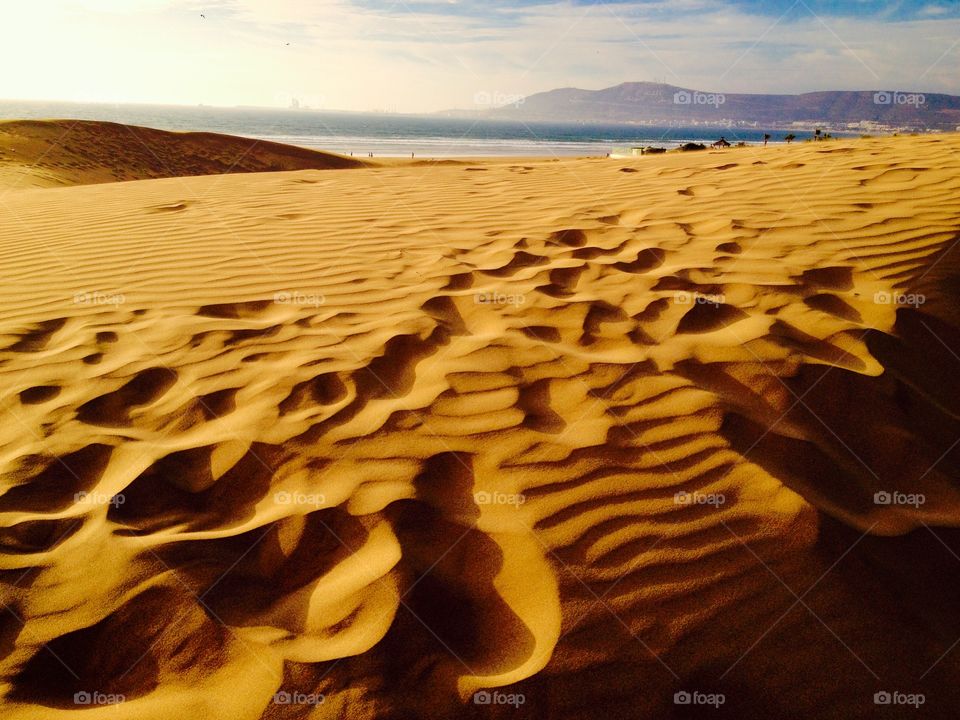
column 441, row 56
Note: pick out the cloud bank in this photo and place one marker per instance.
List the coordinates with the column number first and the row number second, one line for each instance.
column 426, row 55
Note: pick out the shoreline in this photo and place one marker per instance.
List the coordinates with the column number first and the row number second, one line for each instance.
column 50, row 153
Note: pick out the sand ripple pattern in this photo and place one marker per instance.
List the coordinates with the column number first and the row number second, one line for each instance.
column 394, row 436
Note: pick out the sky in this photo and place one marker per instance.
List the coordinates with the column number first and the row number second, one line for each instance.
column 429, row 55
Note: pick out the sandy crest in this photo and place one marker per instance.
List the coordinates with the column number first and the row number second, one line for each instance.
column 590, row 431
column 53, row 153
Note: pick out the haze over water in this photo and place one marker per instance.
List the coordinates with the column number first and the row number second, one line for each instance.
column 391, row 134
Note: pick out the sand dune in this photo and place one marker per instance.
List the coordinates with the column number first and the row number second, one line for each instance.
column 391, row 437
column 44, row 153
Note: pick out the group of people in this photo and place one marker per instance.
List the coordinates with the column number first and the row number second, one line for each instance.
column 371, row 154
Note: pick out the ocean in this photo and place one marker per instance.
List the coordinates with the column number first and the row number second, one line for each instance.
column 391, row 135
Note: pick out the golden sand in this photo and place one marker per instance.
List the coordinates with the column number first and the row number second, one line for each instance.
column 584, row 432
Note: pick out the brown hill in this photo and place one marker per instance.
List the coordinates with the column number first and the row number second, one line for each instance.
column 45, row 153
column 656, row 102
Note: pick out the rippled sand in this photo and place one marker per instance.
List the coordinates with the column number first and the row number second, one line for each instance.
column 574, row 435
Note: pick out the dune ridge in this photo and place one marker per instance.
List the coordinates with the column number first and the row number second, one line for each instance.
column 53, row 153
column 400, row 435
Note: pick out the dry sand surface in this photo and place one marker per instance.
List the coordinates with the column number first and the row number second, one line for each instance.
column 583, row 434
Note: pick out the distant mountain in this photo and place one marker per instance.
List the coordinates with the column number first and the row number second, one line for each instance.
column 668, row 104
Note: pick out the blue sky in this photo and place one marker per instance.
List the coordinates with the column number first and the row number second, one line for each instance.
column 425, row 55
column 866, row 9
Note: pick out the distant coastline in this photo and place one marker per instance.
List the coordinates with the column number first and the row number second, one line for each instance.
column 396, row 135
column 878, row 110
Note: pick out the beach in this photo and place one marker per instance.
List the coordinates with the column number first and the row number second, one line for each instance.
column 396, row 135
column 294, row 435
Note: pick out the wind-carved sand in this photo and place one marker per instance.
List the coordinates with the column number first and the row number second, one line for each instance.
column 397, row 435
